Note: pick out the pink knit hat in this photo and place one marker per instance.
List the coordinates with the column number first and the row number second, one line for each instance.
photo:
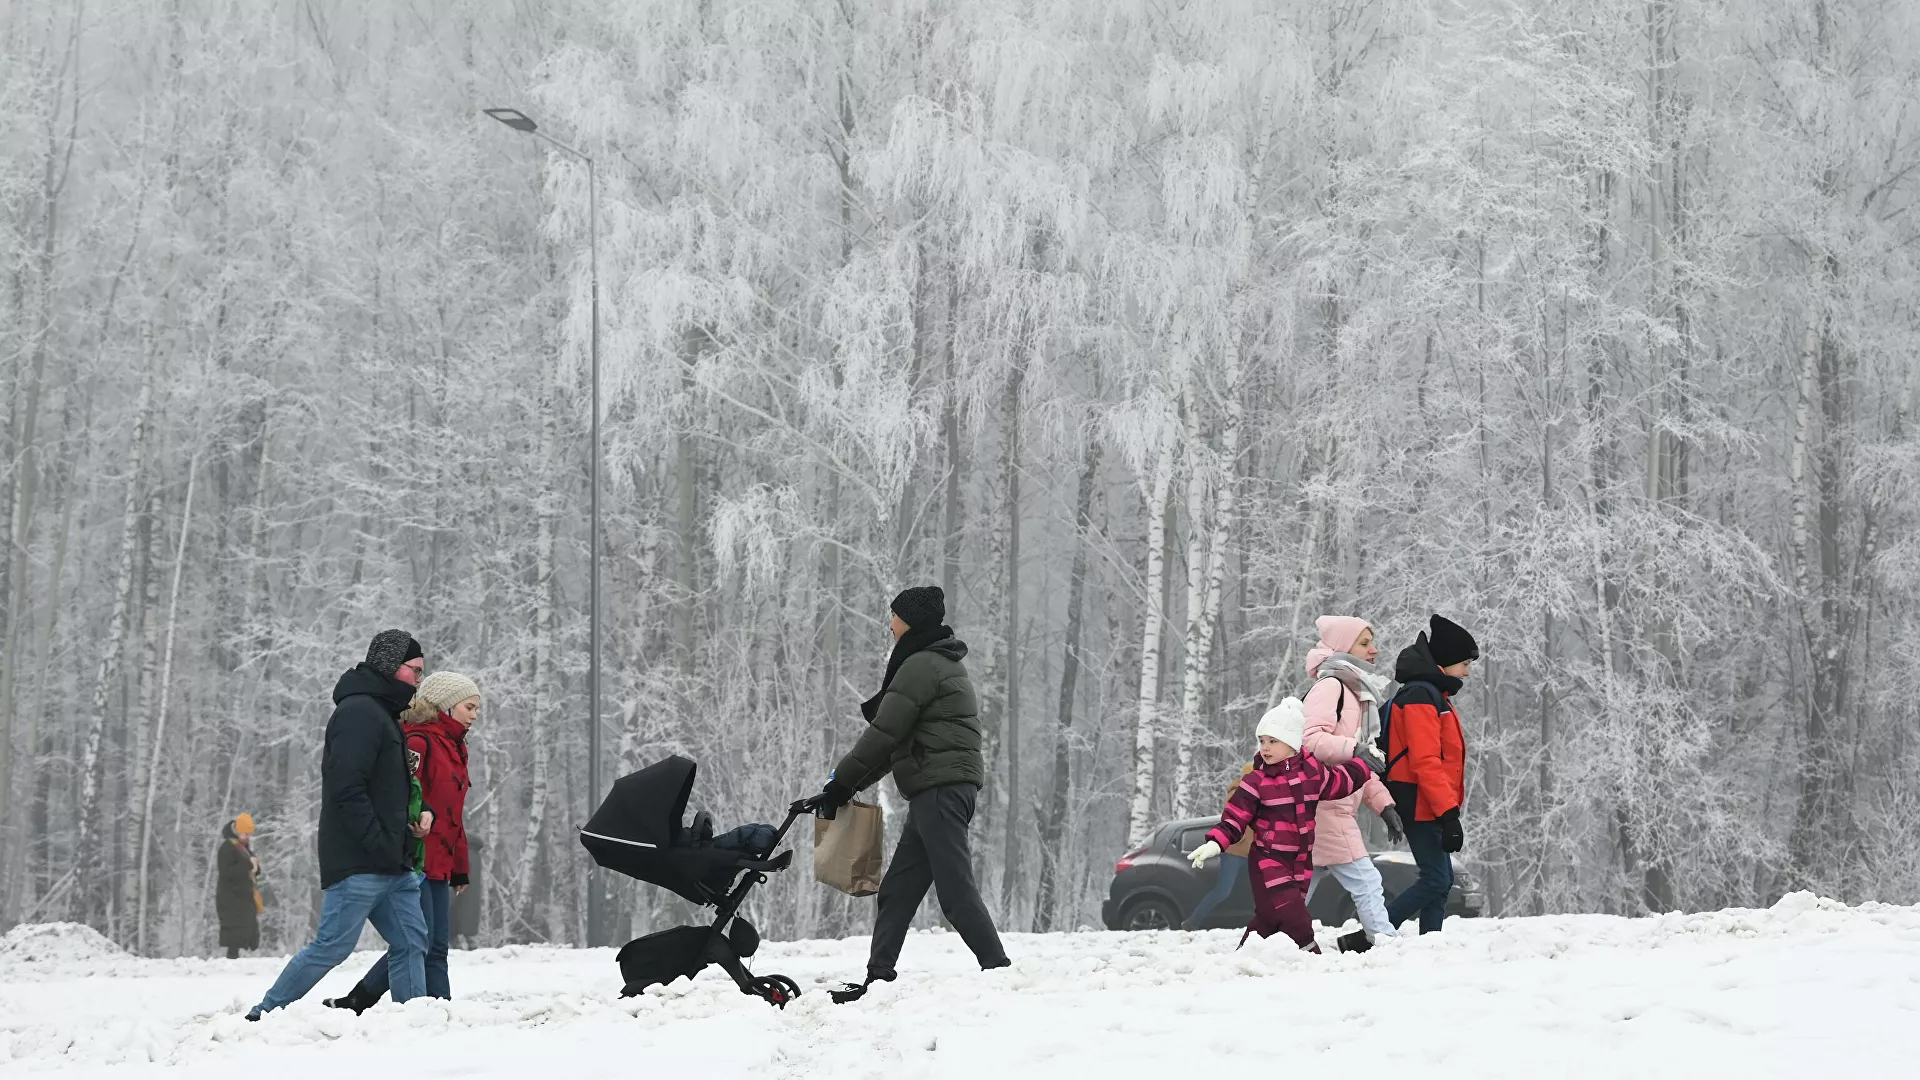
column 1338, row 633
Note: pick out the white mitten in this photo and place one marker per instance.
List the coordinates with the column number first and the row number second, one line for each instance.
column 1367, row 753
column 1202, row 853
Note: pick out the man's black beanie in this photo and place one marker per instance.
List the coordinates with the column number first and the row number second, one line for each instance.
column 390, row 649
column 921, row 607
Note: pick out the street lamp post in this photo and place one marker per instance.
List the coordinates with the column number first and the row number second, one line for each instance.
column 596, row 901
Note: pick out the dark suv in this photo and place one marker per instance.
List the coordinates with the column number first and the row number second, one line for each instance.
column 1155, row 886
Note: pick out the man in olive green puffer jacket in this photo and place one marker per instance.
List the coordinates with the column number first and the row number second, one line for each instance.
column 924, row 727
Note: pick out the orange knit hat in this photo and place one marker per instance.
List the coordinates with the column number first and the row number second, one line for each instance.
column 243, row 824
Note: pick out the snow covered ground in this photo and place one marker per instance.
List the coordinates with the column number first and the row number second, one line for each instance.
column 1808, row 987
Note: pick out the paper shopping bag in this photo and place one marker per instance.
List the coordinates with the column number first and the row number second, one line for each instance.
column 847, row 849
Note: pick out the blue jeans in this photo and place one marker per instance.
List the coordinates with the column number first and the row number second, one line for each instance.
column 436, row 905
column 1232, row 869
column 391, row 902
column 1427, row 896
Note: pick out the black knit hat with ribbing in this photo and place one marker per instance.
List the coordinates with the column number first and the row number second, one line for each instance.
column 1449, row 642
column 390, row 649
column 922, row 607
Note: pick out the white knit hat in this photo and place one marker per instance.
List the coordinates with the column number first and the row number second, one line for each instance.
column 445, row 689
column 1286, row 722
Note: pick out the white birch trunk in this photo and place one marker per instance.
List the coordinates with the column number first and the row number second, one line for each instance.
column 159, row 728
column 1192, row 660
column 1282, row 675
column 140, row 719
column 543, row 618
column 1797, row 462
column 1201, row 631
column 1140, row 812
column 90, row 891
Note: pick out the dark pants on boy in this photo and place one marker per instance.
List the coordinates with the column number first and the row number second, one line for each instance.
column 933, row 852
column 1427, row 896
column 436, row 904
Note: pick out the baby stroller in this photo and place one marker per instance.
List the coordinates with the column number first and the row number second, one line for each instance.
column 637, row 832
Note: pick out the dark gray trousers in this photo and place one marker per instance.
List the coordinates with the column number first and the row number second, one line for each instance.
column 933, row 852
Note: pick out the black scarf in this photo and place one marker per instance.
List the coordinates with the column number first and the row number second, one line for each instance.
column 913, row 641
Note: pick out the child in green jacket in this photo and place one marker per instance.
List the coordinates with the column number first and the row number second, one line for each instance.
column 420, row 818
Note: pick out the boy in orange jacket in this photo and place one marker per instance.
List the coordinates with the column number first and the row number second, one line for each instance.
column 1426, row 764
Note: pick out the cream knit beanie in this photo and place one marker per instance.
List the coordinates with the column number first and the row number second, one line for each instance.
column 445, row 689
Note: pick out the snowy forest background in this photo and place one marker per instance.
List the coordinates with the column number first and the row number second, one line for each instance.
column 1149, row 329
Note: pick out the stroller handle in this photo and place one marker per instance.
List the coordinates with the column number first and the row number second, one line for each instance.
column 794, row 813
column 758, row 868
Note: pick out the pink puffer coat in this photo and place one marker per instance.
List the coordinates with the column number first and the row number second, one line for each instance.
column 1334, row 717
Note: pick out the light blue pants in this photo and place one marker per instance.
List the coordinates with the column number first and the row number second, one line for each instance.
column 1362, row 881
column 391, row 902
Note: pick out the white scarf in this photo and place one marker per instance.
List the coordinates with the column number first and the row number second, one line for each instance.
column 1358, row 676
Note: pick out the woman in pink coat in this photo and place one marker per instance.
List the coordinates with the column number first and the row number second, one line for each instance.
column 1341, row 715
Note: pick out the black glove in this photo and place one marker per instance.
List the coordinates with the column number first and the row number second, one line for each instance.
column 834, row 796
column 1396, row 831
column 458, row 880
column 1451, row 837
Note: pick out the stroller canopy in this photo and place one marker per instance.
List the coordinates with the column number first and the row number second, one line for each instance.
column 635, row 830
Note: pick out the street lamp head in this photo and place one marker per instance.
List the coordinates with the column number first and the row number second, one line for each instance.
column 513, row 118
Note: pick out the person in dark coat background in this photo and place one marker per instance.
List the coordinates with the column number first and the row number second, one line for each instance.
column 236, row 893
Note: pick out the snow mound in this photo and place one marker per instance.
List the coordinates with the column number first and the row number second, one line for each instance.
column 56, row 943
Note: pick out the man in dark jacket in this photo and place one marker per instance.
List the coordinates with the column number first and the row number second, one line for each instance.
column 924, row 727
column 364, row 829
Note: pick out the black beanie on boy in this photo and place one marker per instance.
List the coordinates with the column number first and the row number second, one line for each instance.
column 1449, row 642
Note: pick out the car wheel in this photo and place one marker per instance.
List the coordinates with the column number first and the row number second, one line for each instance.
column 1150, row 913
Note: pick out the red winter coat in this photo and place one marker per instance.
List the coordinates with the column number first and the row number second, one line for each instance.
column 442, row 745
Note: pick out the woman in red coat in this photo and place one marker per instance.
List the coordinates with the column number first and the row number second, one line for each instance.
column 444, row 708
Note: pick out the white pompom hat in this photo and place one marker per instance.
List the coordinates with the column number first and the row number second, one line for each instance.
column 1286, row 722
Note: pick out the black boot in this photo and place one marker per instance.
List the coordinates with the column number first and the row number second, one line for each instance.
column 1356, row 942
column 357, row 999
column 855, row 991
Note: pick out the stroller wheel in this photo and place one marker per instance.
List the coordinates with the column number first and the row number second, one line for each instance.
column 776, row 989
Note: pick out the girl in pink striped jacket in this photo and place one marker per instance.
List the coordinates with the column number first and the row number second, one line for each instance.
column 1278, row 801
